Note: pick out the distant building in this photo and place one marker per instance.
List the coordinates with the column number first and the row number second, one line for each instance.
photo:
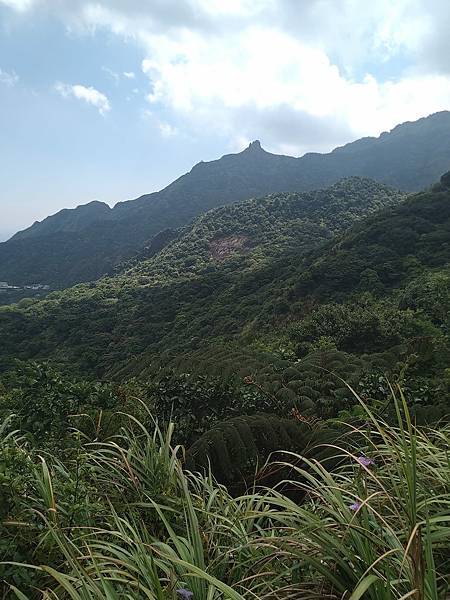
column 4, row 285
column 36, row 286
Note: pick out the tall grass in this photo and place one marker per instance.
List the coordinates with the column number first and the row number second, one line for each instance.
column 376, row 526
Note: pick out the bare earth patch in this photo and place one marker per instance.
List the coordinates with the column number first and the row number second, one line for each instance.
column 222, row 248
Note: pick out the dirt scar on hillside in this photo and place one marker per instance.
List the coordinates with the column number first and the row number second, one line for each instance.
column 222, row 248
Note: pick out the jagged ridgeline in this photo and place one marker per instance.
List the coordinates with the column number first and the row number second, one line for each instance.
column 226, row 270
column 88, row 242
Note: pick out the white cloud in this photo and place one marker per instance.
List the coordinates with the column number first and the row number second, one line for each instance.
column 112, row 74
column 88, row 94
column 8, row 78
column 19, row 5
column 116, row 77
column 215, row 81
column 303, row 75
column 167, row 130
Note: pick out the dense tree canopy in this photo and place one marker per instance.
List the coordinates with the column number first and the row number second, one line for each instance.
column 266, row 286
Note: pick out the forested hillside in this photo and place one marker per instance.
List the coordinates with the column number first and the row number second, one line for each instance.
column 88, row 242
column 298, row 346
column 272, row 289
column 199, row 285
column 236, row 387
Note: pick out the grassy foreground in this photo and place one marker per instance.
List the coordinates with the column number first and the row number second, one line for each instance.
column 121, row 519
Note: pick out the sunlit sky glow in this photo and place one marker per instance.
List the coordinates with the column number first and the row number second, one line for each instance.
column 110, row 99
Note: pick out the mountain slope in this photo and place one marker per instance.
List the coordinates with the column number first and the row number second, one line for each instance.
column 384, row 282
column 67, row 220
column 84, row 244
column 212, row 280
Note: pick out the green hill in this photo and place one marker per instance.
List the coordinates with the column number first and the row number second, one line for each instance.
column 85, row 243
column 277, row 289
column 243, row 336
column 225, row 255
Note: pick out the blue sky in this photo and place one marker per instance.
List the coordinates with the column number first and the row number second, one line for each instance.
column 112, row 99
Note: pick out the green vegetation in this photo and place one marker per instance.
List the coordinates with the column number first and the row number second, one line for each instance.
column 277, row 289
column 190, row 291
column 89, row 242
column 236, row 449
column 122, row 518
column 189, row 425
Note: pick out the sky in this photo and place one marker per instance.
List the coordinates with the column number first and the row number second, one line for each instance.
column 111, row 99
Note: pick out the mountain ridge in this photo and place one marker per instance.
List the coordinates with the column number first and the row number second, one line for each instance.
column 410, row 157
column 63, row 217
column 146, row 301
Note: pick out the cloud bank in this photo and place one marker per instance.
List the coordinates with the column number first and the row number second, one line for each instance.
column 300, row 75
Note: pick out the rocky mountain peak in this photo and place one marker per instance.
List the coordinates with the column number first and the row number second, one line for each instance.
column 255, row 146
